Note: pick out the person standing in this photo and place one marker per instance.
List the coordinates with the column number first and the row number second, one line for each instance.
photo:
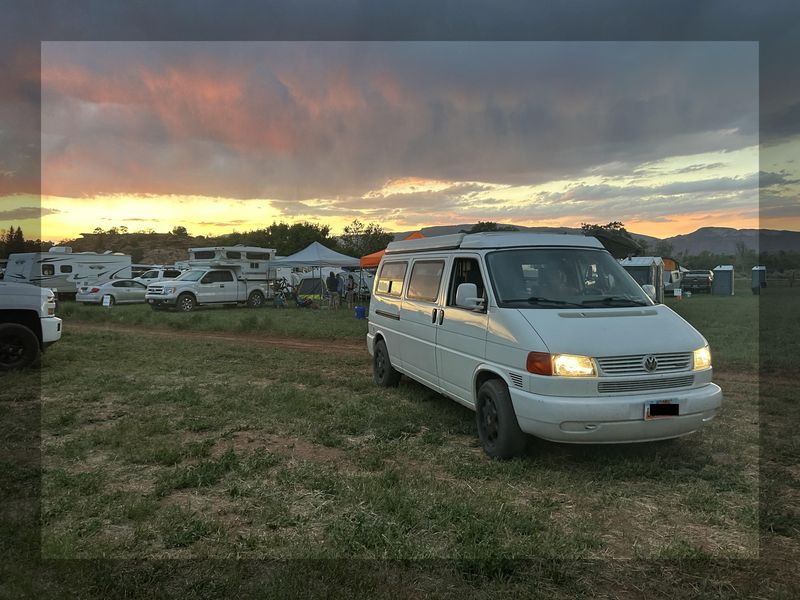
column 332, row 283
column 340, row 288
column 350, row 289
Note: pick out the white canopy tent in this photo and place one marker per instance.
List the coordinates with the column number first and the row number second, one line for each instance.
column 317, row 256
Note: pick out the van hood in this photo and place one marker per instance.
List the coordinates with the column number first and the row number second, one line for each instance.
column 614, row 331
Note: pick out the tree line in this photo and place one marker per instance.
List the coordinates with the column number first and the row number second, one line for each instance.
column 12, row 241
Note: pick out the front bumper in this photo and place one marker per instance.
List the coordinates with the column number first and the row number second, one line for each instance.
column 161, row 300
column 51, row 330
column 614, row 419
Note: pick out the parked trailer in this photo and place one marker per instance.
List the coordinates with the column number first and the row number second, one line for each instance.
column 64, row 271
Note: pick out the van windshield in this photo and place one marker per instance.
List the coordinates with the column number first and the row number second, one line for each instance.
column 561, row 278
column 191, row 275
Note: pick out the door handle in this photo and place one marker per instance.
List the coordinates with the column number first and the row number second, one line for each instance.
column 433, row 315
column 441, row 315
column 222, row 285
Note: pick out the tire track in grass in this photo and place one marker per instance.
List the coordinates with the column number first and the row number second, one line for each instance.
column 313, row 344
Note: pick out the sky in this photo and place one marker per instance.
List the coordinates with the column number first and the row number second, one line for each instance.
column 217, row 136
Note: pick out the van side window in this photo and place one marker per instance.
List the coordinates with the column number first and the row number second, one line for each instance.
column 65, row 268
column 426, row 275
column 390, row 281
column 231, row 254
column 465, row 270
column 203, row 254
column 48, row 270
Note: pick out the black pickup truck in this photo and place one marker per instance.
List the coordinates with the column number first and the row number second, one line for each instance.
column 697, row 281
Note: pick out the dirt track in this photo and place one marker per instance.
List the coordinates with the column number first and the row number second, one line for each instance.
column 314, row 344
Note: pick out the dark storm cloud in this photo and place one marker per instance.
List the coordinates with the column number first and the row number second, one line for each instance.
column 294, row 121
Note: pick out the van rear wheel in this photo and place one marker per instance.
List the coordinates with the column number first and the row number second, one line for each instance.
column 498, row 428
column 384, row 374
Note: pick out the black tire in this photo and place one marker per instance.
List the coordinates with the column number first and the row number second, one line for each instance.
column 498, row 428
column 19, row 347
column 384, row 374
column 185, row 303
column 255, row 300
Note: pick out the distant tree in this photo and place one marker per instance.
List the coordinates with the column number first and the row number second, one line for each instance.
column 482, row 226
column 180, row 231
column 122, row 229
column 285, row 238
column 359, row 239
column 616, row 229
column 98, row 231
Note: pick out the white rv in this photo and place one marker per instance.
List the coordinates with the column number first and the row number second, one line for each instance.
column 539, row 334
column 62, row 270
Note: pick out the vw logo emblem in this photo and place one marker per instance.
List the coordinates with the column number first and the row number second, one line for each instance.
column 650, row 363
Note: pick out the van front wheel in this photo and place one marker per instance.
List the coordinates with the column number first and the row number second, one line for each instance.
column 384, row 374
column 498, row 428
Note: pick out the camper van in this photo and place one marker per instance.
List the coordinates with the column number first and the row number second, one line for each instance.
column 64, row 271
column 539, row 334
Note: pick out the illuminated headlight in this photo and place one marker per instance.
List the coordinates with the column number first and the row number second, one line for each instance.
column 702, row 358
column 570, row 365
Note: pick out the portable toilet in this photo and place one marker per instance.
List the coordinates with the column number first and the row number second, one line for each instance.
column 723, row 281
column 759, row 278
column 647, row 270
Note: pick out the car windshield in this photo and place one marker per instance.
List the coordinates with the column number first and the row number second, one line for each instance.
column 562, row 278
column 191, row 275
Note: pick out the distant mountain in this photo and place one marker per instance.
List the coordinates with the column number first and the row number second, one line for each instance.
column 717, row 240
column 723, row 240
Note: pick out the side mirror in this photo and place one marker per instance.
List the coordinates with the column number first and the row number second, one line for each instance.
column 650, row 290
column 467, row 296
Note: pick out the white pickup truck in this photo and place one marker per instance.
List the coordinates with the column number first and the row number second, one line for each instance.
column 207, row 285
column 28, row 324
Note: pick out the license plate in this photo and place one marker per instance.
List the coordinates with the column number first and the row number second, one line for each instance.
column 659, row 409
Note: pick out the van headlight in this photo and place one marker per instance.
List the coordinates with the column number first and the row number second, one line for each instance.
column 702, row 358
column 571, row 365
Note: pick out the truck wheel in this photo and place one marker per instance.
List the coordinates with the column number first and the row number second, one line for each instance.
column 255, row 300
column 19, row 347
column 185, row 303
column 384, row 374
column 498, row 428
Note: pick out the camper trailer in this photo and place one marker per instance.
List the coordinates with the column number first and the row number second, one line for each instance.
column 253, row 262
column 62, row 270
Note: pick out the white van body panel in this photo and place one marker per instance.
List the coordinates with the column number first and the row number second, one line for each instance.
column 452, row 349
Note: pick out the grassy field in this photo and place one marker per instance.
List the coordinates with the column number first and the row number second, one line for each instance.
column 201, row 448
column 289, row 322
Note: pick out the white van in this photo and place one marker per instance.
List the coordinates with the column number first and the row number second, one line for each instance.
column 540, row 334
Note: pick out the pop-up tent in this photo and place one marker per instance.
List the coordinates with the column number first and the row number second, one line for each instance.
column 371, row 261
column 317, row 255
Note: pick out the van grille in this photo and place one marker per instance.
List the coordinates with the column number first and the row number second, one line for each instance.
column 516, row 379
column 664, row 383
column 634, row 364
column 155, row 290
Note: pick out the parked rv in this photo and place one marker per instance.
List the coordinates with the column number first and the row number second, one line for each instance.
column 539, row 334
column 28, row 324
column 64, row 271
column 119, row 291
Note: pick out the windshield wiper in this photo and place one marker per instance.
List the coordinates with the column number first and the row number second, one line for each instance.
column 609, row 300
column 540, row 300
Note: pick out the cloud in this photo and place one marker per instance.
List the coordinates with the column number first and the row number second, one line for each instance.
column 768, row 179
column 298, row 121
column 26, row 212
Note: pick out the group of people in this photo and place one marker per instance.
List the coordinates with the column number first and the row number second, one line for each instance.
column 339, row 287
